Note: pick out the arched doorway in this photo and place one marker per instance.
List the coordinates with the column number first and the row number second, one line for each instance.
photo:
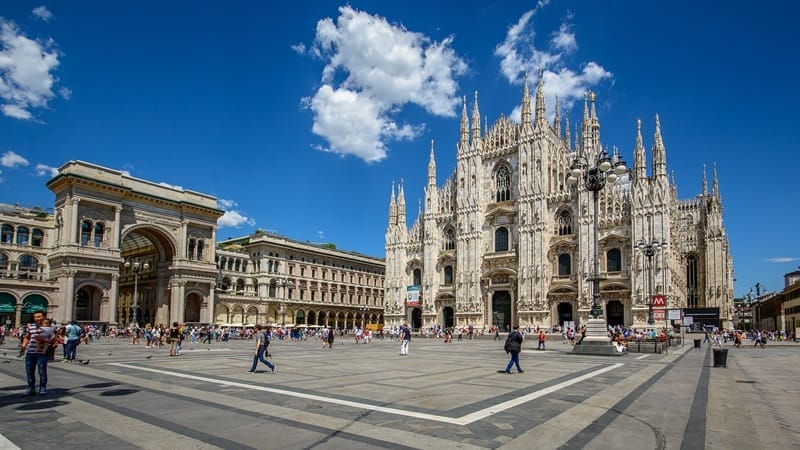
column 564, row 313
column 615, row 313
column 447, row 317
column 87, row 304
column 300, row 319
column 8, row 308
column 192, row 311
column 312, row 318
column 501, row 310
column 323, row 318
column 222, row 314
column 416, row 319
column 147, row 253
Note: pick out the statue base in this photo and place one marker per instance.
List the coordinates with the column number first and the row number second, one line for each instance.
column 596, row 341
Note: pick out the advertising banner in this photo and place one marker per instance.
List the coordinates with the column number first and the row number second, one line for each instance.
column 412, row 295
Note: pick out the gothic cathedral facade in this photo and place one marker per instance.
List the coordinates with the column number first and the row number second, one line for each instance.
column 506, row 241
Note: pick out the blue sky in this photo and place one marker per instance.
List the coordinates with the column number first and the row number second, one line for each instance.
column 299, row 116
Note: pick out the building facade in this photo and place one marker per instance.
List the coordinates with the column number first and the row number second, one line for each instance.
column 271, row 279
column 505, row 240
column 119, row 250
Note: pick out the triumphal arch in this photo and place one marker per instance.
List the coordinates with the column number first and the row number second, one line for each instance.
column 129, row 250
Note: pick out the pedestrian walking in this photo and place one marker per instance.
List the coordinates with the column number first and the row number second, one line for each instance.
column 174, row 339
column 542, row 340
column 330, row 337
column 35, row 343
column 405, row 339
column 513, row 346
column 262, row 343
column 73, row 339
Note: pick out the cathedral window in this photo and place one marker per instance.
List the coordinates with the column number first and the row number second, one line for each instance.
column 226, row 284
column 22, row 235
column 614, row 260
column 240, row 286
column 689, row 220
column 503, row 185
column 564, row 223
column 417, row 277
column 449, row 239
column 501, row 239
column 692, row 282
column 448, row 275
column 564, row 265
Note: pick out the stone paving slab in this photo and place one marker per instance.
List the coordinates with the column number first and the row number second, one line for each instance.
column 440, row 396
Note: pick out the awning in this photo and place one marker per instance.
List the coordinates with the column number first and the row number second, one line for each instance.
column 34, row 303
column 7, row 303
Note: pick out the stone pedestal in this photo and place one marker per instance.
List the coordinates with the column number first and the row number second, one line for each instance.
column 596, row 341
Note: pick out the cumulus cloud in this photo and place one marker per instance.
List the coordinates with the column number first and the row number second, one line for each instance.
column 784, row 259
column 26, row 72
column 42, row 13
column 300, row 48
column 373, row 69
column 519, row 55
column 12, row 160
column 232, row 218
column 44, row 170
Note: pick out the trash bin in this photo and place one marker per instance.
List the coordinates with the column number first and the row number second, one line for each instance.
column 697, row 343
column 721, row 357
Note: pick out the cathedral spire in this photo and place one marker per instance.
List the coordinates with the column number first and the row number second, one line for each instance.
column 659, row 152
column 639, row 162
column 715, row 183
column 464, row 143
column 476, row 121
column 705, row 181
column 567, row 137
column 392, row 209
column 401, row 206
column 541, row 117
column 432, row 168
column 525, row 114
column 557, row 119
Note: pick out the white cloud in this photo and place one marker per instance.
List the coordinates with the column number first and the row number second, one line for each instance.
column 320, row 234
column 172, row 186
column 519, row 55
column 234, row 219
column 26, row 72
column 42, row 13
column 226, row 204
column 300, row 48
column 43, row 170
column 782, row 259
column 12, row 160
column 385, row 68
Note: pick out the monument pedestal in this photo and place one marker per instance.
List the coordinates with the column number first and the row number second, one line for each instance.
column 596, row 341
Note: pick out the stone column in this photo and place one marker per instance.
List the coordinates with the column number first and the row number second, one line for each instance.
column 210, row 305
column 18, row 315
column 74, row 221
column 117, row 227
column 176, row 301
column 108, row 309
column 67, row 312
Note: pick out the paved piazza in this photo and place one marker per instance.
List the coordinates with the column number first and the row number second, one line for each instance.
column 368, row 396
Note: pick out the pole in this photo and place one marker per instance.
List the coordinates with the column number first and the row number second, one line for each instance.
column 135, row 294
column 595, row 312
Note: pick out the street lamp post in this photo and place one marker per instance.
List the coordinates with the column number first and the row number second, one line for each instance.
column 283, row 283
column 649, row 249
column 136, row 266
column 364, row 310
column 595, row 173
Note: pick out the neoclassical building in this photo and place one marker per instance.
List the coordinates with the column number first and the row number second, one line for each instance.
column 506, row 240
column 79, row 261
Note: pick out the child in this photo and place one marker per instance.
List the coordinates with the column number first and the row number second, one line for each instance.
column 45, row 342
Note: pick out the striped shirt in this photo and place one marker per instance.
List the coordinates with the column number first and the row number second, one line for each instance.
column 34, row 331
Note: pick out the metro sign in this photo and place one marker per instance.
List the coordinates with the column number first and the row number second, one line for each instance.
column 659, row 301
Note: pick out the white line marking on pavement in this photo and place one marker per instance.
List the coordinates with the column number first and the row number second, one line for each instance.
column 642, row 357
column 463, row 420
column 5, row 444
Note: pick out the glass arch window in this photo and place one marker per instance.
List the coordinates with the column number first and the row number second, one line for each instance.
column 7, row 234
column 501, row 239
column 22, row 235
column 37, row 237
column 417, row 277
column 503, row 184
column 564, row 223
column 86, row 232
column 448, row 275
column 99, row 230
column 449, row 239
column 614, row 260
column 564, row 265
column 28, row 262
